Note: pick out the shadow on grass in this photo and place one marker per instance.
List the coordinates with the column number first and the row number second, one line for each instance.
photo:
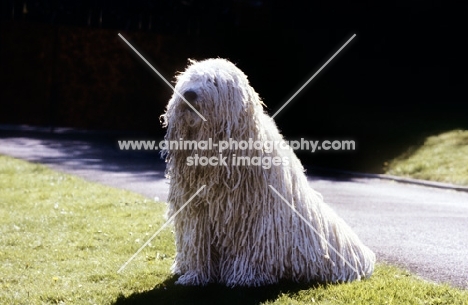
column 170, row 293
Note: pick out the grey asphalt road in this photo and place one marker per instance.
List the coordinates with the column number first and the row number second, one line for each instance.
column 420, row 228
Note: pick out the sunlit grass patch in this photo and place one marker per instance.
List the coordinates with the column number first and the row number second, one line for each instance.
column 63, row 238
column 442, row 157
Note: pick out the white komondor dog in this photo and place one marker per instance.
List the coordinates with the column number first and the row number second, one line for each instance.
column 238, row 231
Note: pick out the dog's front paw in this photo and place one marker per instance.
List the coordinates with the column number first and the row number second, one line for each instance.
column 192, row 278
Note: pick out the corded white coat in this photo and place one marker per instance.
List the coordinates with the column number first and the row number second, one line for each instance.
column 237, row 231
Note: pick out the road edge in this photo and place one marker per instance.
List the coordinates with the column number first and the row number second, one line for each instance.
column 406, row 180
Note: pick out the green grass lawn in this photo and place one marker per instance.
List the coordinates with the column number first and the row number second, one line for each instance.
column 63, row 239
column 442, row 157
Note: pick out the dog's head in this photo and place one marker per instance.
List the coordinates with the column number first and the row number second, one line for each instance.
column 216, row 90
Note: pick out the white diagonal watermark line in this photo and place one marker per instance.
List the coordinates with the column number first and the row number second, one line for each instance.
column 162, row 77
column 315, row 230
column 160, row 229
column 310, row 79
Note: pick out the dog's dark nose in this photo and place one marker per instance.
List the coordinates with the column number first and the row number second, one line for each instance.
column 190, row 96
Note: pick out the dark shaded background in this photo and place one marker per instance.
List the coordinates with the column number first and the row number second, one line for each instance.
column 402, row 78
